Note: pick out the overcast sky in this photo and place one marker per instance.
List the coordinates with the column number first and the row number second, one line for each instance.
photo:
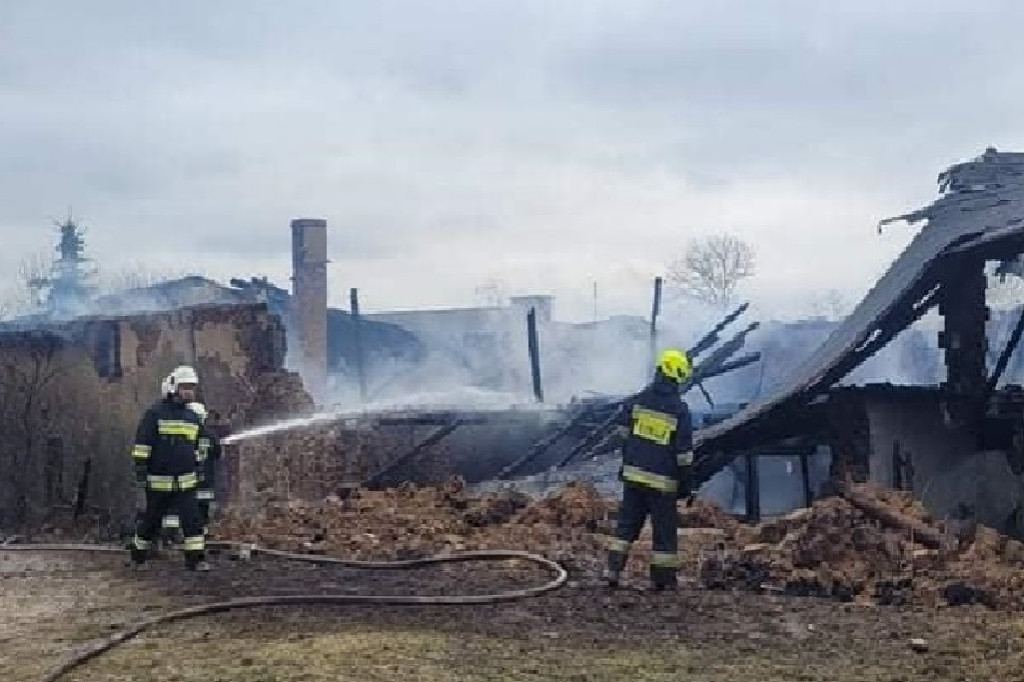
column 546, row 144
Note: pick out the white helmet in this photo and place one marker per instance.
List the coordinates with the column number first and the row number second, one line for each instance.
column 199, row 409
column 183, row 374
column 166, row 388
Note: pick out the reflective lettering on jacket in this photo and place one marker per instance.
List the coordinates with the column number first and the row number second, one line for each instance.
column 653, row 425
column 656, row 451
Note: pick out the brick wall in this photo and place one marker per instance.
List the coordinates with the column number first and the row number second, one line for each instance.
column 71, row 395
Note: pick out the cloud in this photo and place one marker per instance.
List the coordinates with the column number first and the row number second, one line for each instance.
column 551, row 145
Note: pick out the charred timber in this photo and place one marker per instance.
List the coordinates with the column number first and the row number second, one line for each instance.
column 382, row 476
column 711, row 338
column 922, row 534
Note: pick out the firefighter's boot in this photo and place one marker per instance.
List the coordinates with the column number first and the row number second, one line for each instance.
column 613, row 572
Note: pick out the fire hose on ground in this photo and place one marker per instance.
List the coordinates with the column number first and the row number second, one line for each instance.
column 560, row 577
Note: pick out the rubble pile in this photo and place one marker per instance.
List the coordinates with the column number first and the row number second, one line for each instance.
column 411, row 521
column 834, row 549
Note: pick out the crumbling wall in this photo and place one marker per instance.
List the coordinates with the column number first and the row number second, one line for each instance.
column 944, row 467
column 71, row 395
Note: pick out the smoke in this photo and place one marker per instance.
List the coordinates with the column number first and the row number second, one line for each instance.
column 486, row 349
column 482, row 355
column 159, row 296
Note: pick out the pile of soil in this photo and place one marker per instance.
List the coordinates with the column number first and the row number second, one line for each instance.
column 412, row 521
column 834, row 549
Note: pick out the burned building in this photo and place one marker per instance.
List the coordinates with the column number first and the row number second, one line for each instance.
column 957, row 445
column 71, row 394
column 385, row 343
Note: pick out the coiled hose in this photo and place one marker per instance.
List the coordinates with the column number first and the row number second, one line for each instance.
column 561, row 575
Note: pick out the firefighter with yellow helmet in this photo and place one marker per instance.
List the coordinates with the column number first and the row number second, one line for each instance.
column 165, row 463
column 656, row 459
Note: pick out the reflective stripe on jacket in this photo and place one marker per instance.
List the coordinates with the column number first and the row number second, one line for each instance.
column 659, row 438
column 165, row 443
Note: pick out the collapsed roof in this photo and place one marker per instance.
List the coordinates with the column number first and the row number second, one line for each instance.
column 980, row 213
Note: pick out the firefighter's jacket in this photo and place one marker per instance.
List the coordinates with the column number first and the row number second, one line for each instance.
column 208, row 452
column 165, row 447
column 658, row 449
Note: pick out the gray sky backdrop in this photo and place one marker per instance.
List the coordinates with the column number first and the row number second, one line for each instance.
column 549, row 144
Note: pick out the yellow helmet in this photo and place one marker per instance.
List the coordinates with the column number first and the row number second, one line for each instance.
column 675, row 365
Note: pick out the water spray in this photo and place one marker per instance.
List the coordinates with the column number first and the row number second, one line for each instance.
column 463, row 401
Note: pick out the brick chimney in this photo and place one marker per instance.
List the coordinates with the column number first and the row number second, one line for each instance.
column 309, row 302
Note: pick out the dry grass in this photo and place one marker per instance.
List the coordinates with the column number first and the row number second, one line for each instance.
column 575, row 635
column 204, row 651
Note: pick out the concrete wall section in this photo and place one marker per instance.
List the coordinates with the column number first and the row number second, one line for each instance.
column 947, row 471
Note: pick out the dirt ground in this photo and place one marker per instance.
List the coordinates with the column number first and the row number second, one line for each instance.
column 54, row 604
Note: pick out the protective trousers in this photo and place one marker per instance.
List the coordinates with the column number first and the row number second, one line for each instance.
column 205, row 500
column 157, row 504
column 639, row 502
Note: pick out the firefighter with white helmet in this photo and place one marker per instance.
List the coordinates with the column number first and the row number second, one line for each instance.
column 165, row 462
column 171, row 524
column 207, row 456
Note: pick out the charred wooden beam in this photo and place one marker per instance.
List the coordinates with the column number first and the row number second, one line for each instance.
column 752, row 489
column 925, row 535
column 1004, row 356
column 357, row 341
column 711, row 338
column 544, row 444
column 732, row 365
column 534, row 348
column 655, row 311
column 805, row 477
column 433, row 439
column 595, row 436
column 963, row 338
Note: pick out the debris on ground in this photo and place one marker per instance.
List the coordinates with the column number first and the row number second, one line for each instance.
column 411, row 521
column 834, row 549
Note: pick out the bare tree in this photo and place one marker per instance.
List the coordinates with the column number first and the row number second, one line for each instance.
column 712, row 268
column 26, row 396
column 33, row 274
